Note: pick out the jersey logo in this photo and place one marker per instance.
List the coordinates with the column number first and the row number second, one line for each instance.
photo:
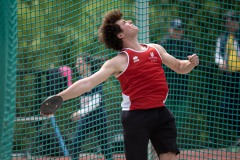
column 135, row 59
column 152, row 57
column 152, row 54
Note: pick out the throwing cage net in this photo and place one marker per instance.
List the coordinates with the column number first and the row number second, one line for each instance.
column 48, row 45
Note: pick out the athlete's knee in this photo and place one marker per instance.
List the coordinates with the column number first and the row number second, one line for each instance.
column 168, row 156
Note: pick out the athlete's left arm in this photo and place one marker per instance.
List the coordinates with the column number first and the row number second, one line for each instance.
column 179, row 66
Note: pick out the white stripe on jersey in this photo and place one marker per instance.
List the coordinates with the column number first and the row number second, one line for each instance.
column 126, row 103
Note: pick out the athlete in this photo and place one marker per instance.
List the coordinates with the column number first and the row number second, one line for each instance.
column 138, row 67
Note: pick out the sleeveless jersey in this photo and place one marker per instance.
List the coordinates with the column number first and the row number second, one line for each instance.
column 143, row 82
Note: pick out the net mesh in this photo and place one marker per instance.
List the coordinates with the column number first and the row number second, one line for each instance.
column 8, row 45
column 58, row 44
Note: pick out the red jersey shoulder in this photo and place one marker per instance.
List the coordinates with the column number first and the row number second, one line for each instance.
column 150, row 55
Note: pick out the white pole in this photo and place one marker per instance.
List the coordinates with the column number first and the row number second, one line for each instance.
column 142, row 20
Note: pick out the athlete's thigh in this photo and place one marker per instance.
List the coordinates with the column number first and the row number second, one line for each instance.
column 164, row 136
column 136, row 134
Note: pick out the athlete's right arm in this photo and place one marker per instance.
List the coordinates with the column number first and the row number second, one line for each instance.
column 81, row 86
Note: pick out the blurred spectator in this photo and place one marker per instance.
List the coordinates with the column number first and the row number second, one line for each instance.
column 227, row 57
column 177, row 45
column 92, row 115
column 66, row 72
column 58, row 79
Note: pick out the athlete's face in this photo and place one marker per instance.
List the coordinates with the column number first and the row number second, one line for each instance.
column 128, row 28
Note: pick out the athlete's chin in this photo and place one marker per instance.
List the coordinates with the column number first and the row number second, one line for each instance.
column 136, row 30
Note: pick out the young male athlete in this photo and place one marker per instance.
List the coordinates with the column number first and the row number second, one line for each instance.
column 138, row 67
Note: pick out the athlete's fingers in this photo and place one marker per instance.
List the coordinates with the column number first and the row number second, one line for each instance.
column 194, row 59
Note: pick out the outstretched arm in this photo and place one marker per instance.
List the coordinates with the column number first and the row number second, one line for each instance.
column 86, row 84
column 179, row 66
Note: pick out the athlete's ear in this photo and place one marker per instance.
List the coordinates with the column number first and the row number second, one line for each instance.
column 120, row 35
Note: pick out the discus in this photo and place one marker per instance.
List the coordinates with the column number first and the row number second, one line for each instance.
column 51, row 105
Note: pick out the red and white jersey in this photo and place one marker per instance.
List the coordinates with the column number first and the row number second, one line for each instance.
column 143, row 81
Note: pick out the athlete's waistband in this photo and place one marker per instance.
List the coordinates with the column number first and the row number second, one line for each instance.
column 147, row 109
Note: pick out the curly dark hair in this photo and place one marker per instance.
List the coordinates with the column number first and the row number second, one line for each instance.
column 109, row 30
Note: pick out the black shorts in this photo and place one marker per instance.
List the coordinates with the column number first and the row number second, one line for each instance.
column 140, row 126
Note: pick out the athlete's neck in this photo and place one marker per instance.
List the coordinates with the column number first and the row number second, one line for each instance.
column 136, row 46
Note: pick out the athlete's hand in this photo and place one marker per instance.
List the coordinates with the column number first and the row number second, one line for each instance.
column 194, row 60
